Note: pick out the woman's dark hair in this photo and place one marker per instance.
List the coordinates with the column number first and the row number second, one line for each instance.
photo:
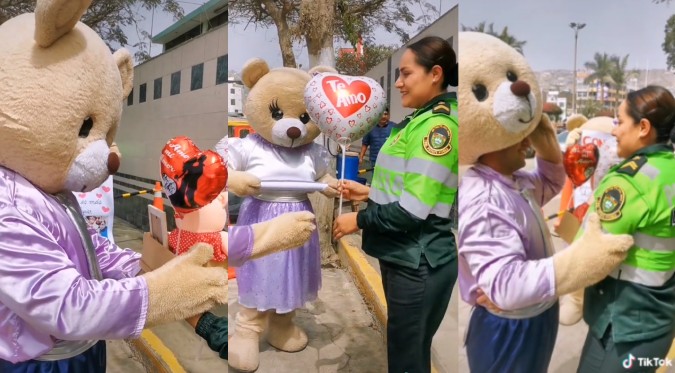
column 657, row 105
column 433, row 50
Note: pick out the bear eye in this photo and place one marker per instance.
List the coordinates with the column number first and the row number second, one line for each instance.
column 480, row 92
column 275, row 111
column 511, row 76
column 304, row 118
column 87, row 125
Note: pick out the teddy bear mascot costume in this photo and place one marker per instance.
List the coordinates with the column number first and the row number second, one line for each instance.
column 596, row 132
column 63, row 288
column 282, row 149
column 506, row 253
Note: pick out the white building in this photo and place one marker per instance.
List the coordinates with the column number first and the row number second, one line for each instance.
column 181, row 92
column 235, row 90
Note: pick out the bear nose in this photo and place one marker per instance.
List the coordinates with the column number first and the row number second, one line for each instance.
column 113, row 163
column 293, row 132
column 520, row 88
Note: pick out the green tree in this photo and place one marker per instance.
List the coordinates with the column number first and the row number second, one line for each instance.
column 602, row 67
column 318, row 22
column 620, row 75
column 106, row 17
column 590, row 108
column 352, row 64
column 669, row 42
column 504, row 35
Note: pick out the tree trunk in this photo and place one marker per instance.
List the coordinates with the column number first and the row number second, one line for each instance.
column 280, row 18
column 317, row 27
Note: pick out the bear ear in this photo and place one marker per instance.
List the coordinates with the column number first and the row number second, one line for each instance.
column 321, row 69
column 253, row 70
column 126, row 66
column 55, row 18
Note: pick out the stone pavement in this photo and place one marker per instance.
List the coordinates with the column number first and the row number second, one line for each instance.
column 343, row 336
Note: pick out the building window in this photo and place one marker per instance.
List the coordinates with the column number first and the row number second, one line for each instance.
column 232, row 101
column 192, row 33
column 130, row 98
column 231, row 90
column 397, row 74
column 141, row 93
column 197, row 77
column 221, row 70
column 157, row 93
column 175, row 83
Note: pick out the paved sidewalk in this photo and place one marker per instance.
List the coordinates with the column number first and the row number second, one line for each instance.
column 366, row 270
column 343, row 336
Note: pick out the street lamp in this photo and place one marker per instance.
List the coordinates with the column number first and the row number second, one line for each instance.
column 576, row 27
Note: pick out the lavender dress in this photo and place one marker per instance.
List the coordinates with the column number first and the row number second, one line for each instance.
column 283, row 281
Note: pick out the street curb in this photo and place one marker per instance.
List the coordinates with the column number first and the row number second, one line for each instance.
column 155, row 353
column 368, row 281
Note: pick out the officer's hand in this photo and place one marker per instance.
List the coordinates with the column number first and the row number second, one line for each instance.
column 344, row 224
column 353, row 191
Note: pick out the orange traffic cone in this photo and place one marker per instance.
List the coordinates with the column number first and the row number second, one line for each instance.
column 158, row 202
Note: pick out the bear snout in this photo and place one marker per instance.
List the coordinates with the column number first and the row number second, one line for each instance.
column 520, row 88
column 293, row 132
column 113, row 163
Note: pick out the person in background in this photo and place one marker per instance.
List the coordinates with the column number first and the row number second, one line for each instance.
column 375, row 139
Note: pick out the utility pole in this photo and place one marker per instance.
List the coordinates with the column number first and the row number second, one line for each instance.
column 576, row 27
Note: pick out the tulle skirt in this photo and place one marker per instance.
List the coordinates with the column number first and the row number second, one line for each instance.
column 283, row 281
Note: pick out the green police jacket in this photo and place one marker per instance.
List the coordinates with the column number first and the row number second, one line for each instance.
column 414, row 188
column 637, row 299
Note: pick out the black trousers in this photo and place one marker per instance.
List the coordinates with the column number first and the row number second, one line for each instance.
column 604, row 356
column 416, row 303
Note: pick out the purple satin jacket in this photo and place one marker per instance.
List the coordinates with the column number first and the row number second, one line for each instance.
column 502, row 249
column 239, row 245
column 46, row 290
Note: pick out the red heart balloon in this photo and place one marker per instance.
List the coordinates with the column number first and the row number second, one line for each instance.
column 347, row 98
column 580, row 162
column 191, row 178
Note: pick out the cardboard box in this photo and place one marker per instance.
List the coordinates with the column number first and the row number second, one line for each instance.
column 154, row 254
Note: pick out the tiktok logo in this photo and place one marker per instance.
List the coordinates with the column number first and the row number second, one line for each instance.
column 628, row 363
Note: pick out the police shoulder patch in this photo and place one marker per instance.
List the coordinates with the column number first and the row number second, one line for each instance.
column 441, row 108
column 609, row 205
column 438, row 141
column 632, row 166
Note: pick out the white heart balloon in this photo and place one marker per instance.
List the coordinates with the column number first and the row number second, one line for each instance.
column 344, row 107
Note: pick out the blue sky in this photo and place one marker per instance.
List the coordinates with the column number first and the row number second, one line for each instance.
column 621, row 27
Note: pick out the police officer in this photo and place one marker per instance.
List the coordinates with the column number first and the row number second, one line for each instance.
column 407, row 224
column 631, row 313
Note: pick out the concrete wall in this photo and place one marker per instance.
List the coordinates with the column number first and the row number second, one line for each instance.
column 146, row 127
